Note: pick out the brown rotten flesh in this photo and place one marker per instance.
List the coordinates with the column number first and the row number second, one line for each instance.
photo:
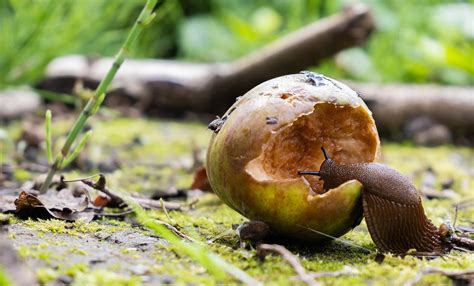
column 276, row 130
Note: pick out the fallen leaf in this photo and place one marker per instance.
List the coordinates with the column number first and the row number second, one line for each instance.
column 65, row 205
column 101, row 201
column 200, row 180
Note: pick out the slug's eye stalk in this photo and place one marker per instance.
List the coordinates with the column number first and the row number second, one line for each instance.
column 326, row 173
column 316, row 173
column 326, row 157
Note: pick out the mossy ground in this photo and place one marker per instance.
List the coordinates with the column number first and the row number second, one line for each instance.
column 113, row 252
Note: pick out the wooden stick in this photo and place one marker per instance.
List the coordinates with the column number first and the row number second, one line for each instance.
column 291, row 259
column 393, row 105
column 212, row 88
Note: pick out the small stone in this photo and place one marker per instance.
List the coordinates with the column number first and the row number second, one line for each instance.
column 447, row 184
column 254, row 231
column 65, row 279
column 108, row 165
column 139, row 269
column 426, row 131
column 379, row 258
column 18, row 103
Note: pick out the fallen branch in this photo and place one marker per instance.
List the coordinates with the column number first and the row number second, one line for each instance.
column 212, row 88
column 394, row 105
column 155, row 204
column 117, row 201
column 290, row 258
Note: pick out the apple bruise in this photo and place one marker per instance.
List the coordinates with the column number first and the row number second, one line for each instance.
column 347, row 132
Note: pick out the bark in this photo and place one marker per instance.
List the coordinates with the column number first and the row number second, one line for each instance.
column 396, row 105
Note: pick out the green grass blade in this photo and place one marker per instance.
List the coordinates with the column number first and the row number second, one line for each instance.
column 75, row 152
column 49, row 145
column 212, row 262
column 95, row 102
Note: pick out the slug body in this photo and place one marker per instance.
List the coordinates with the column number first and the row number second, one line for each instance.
column 392, row 206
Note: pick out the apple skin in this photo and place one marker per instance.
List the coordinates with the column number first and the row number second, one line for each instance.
column 287, row 204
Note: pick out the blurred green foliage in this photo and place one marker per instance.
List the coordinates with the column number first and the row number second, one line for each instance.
column 416, row 40
column 33, row 32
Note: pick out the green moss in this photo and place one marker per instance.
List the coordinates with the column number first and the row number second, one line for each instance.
column 78, row 251
column 5, row 218
column 161, row 139
column 448, row 162
column 76, row 269
column 4, row 279
column 46, row 275
column 37, row 251
column 77, row 228
column 101, row 277
column 21, row 175
column 82, row 275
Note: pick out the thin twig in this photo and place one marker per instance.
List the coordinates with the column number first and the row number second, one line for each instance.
column 166, row 211
column 82, row 179
column 456, row 209
column 465, row 243
column 466, row 204
column 154, row 204
column 116, row 200
column 121, row 214
column 175, row 230
column 453, row 274
column 291, row 259
column 49, row 145
column 221, row 235
column 464, row 229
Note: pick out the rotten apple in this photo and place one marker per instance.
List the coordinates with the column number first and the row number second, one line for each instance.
column 277, row 129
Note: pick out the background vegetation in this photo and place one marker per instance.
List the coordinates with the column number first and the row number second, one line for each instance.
column 416, row 41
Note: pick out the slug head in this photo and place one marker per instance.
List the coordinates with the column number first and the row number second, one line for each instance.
column 329, row 172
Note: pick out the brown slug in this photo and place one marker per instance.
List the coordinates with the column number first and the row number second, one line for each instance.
column 392, row 207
